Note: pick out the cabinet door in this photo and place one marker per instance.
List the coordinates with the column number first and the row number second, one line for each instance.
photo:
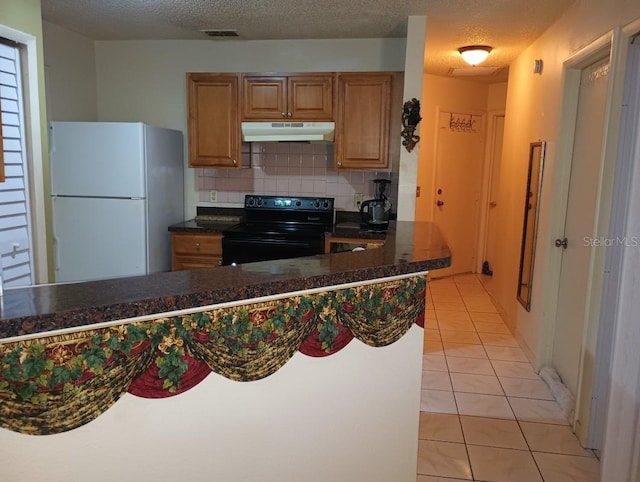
column 264, row 97
column 213, row 120
column 310, row 97
column 362, row 127
column 304, row 97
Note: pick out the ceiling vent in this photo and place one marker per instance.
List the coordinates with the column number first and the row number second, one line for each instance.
column 221, row 33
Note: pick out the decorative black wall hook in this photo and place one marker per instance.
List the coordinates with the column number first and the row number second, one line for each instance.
column 410, row 119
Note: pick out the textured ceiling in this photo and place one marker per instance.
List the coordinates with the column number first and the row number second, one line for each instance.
column 509, row 26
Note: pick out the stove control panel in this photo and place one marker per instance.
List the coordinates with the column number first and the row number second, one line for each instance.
column 255, row 202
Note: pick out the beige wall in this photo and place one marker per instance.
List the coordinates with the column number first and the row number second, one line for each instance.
column 497, row 96
column 70, row 65
column 533, row 112
column 348, row 417
column 414, row 66
column 145, row 80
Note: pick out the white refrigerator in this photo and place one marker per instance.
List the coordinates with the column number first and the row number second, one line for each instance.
column 116, row 187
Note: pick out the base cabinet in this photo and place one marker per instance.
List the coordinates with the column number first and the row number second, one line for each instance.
column 193, row 251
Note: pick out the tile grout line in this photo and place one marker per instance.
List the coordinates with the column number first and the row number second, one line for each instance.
column 493, row 369
column 510, row 407
column 501, row 387
column 455, row 401
column 466, row 446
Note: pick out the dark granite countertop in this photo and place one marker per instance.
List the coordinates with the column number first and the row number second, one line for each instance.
column 409, row 248
column 353, row 231
column 210, row 220
column 342, row 230
column 204, row 226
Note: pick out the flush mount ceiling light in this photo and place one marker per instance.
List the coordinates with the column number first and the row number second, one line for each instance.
column 474, row 54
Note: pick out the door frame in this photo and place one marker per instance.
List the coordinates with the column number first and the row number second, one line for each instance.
column 487, row 179
column 35, row 144
column 434, row 177
column 610, row 44
column 621, row 447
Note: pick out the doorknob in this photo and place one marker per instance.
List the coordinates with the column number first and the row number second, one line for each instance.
column 440, row 203
column 561, row 243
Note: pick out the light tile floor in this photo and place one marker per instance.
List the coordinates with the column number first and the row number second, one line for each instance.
column 485, row 414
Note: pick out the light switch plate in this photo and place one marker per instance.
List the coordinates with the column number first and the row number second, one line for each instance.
column 213, row 196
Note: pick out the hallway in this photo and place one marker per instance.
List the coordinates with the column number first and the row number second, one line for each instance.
column 485, row 414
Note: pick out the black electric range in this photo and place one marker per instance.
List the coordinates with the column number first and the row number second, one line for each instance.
column 278, row 227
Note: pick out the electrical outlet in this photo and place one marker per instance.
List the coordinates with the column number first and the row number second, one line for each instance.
column 357, row 199
column 213, row 196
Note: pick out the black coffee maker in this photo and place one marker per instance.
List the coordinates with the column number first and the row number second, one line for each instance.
column 375, row 213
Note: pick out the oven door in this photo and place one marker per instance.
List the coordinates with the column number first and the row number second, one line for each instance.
column 241, row 250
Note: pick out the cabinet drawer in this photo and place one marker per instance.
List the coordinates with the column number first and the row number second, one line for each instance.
column 195, row 262
column 197, row 244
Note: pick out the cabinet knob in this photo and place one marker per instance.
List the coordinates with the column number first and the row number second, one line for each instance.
column 339, row 163
column 234, row 162
column 197, row 245
column 283, row 114
column 288, row 114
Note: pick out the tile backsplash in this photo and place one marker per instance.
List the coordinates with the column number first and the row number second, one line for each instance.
column 291, row 169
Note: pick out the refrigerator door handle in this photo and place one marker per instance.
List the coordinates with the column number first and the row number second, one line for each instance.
column 52, row 139
column 56, row 245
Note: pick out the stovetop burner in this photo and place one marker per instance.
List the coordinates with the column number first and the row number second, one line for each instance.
column 261, row 203
column 284, row 213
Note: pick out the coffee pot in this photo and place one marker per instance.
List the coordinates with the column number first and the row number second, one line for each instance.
column 375, row 213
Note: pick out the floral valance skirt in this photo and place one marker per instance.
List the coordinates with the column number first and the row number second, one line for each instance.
column 59, row 382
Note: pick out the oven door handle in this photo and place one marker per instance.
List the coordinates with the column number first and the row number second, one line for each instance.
column 263, row 241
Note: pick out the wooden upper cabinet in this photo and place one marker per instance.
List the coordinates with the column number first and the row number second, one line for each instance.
column 264, row 97
column 213, row 120
column 362, row 121
column 310, row 97
column 303, row 97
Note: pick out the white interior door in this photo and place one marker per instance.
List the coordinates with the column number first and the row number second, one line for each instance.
column 580, row 223
column 459, row 156
column 495, row 158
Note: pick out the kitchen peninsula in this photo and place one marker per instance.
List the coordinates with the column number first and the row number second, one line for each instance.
column 137, row 367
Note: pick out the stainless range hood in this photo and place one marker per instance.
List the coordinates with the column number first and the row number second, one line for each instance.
column 288, row 131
